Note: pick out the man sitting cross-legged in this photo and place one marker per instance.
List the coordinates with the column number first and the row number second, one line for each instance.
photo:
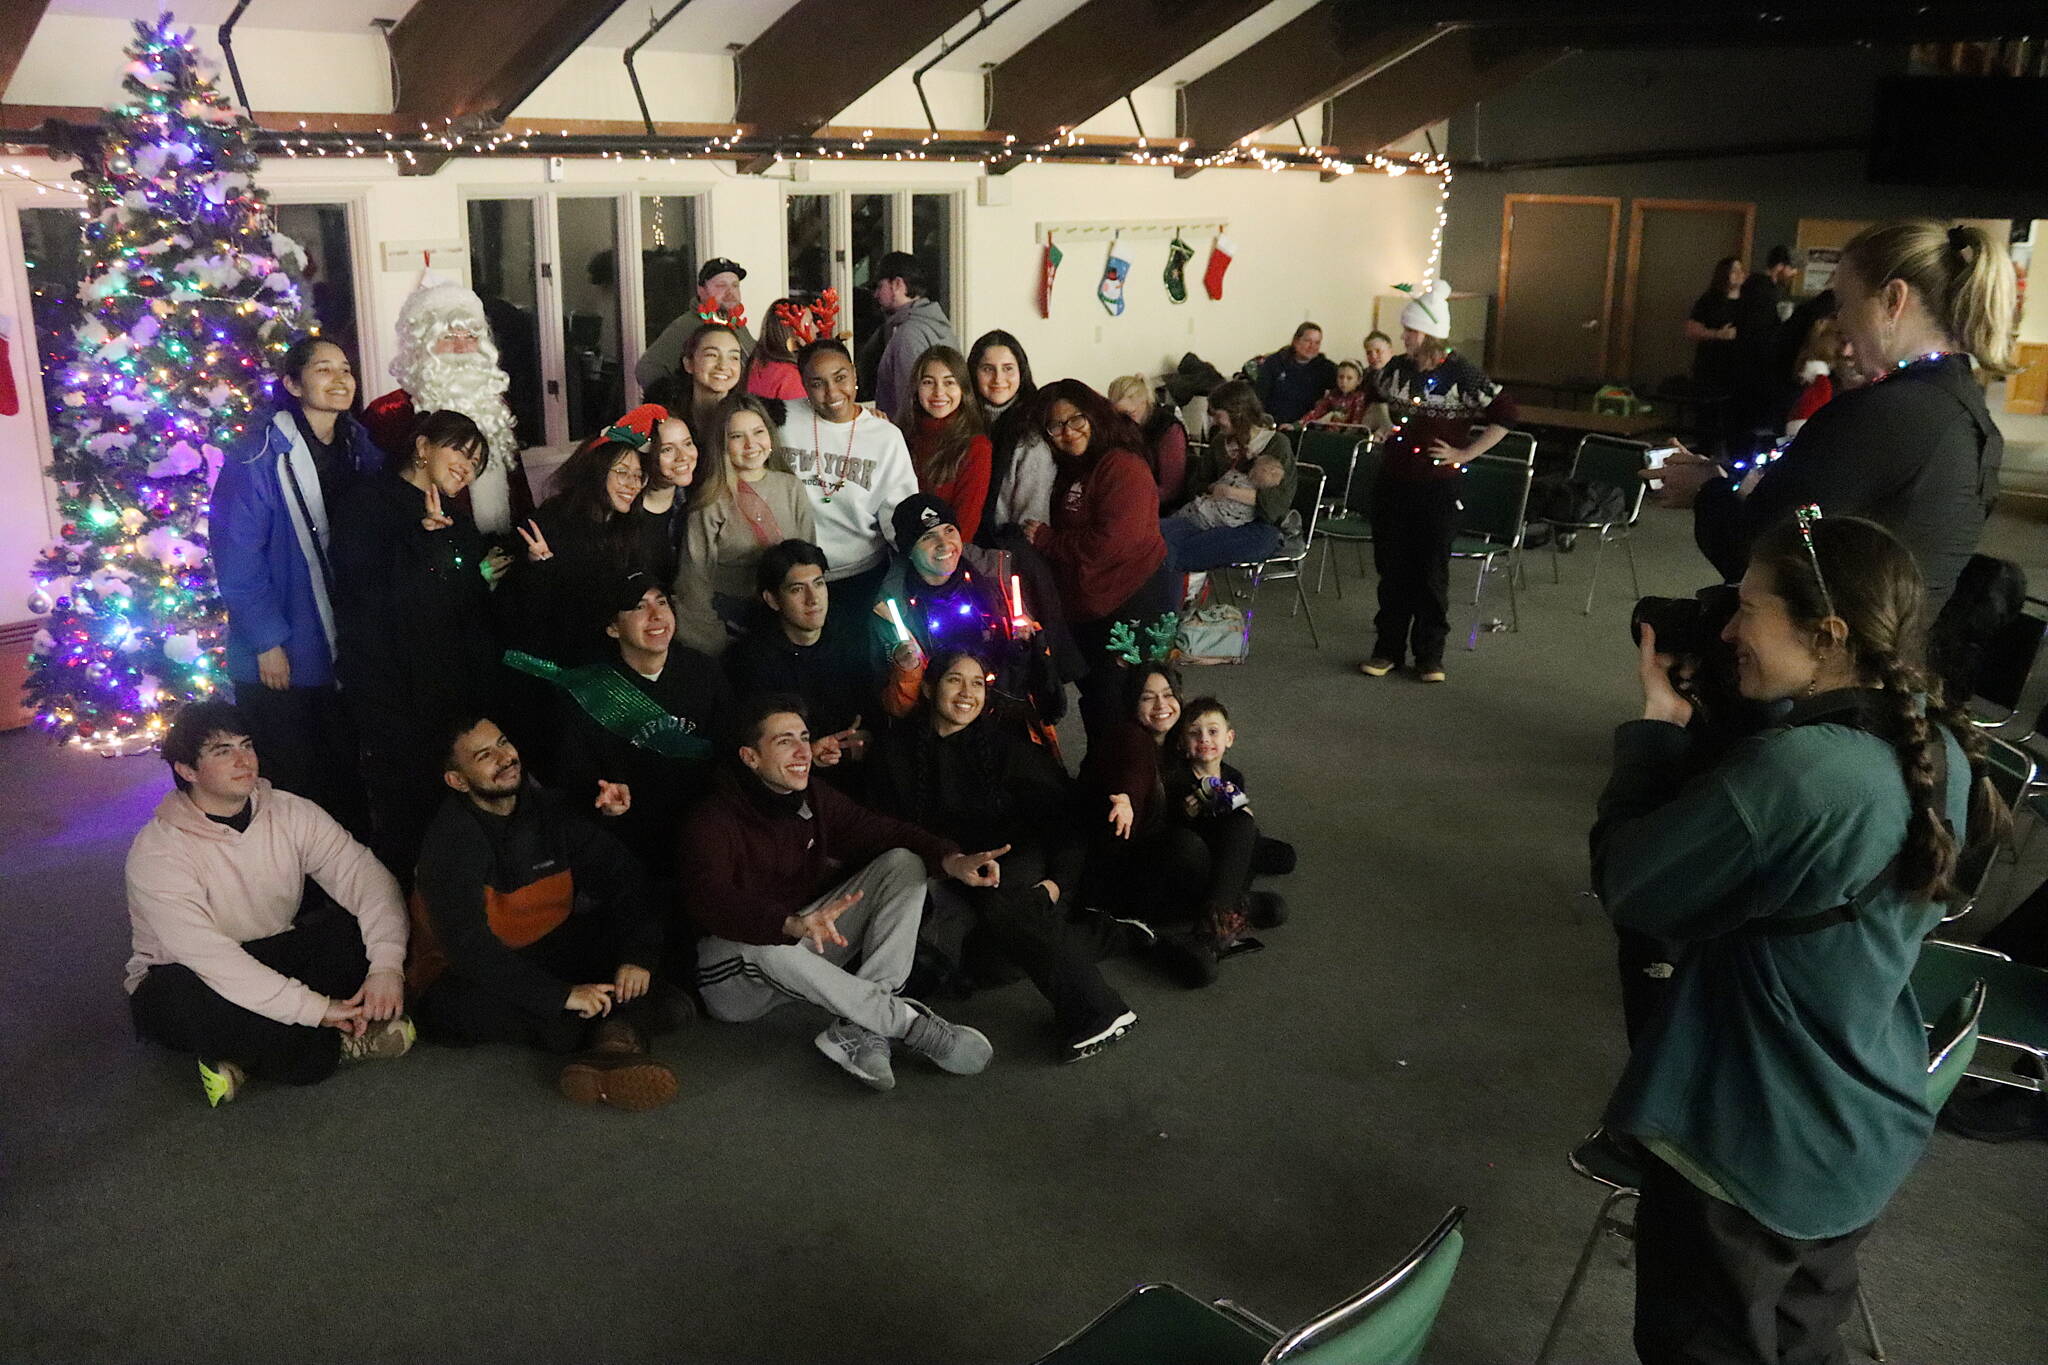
column 236, row 958
column 792, row 881
column 529, row 921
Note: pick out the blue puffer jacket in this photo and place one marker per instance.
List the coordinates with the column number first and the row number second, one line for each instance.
column 264, row 517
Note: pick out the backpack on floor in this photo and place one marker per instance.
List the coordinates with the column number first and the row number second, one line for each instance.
column 1554, row 497
column 1216, row 634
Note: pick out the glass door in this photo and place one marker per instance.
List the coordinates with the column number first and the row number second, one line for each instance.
column 505, row 270
column 593, row 353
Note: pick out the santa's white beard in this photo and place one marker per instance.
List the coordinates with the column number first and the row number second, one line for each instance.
column 472, row 384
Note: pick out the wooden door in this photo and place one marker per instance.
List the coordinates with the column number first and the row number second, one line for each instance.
column 1556, row 287
column 1672, row 247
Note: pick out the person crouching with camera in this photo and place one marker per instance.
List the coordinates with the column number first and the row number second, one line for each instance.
column 1780, row 1092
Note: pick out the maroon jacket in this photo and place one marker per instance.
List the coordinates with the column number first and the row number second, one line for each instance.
column 752, row 857
column 1103, row 539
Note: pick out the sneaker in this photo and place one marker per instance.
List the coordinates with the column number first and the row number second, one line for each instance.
column 1189, row 960
column 1125, row 934
column 863, row 1053
column 1431, row 675
column 1092, row 1040
column 1377, row 668
column 221, row 1081
column 951, row 1047
column 1265, row 909
column 632, row 1083
column 384, row 1041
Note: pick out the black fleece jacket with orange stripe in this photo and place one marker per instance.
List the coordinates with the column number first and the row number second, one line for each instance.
column 490, row 885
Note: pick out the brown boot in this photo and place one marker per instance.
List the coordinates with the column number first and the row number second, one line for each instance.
column 616, row 1038
column 622, row 1081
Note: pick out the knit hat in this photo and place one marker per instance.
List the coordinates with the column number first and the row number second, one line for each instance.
column 642, row 421
column 920, row 513
column 1428, row 312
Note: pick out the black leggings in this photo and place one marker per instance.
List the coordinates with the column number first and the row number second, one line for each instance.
column 306, row 743
column 1184, row 871
column 1019, row 923
column 323, row 950
column 1414, row 522
column 580, row 951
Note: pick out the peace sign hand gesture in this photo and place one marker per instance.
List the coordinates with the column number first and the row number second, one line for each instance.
column 435, row 519
column 536, row 543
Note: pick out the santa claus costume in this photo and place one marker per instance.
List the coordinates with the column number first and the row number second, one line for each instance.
column 447, row 358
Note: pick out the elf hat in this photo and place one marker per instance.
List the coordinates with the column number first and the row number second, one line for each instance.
column 640, row 422
column 1428, row 312
column 918, row 514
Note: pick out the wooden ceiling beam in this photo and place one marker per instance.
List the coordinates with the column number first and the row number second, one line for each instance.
column 1444, row 78
column 18, row 20
column 822, row 55
column 476, row 60
column 1317, row 56
column 1098, row 54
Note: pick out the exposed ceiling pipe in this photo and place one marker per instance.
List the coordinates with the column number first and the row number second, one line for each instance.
column 227, row 48
column 657, row 26
column 952, row 45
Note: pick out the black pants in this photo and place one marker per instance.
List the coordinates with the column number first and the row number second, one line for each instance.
column 1102, row 686
column 1185, row 871
column 306, row 743
column 581, row 951
column 1716, row 1287
column 323, row 949
column 1018, row 923
column 1414, row 522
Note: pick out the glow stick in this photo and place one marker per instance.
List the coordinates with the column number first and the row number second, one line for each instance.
column 1017, row 616
column 896, row 619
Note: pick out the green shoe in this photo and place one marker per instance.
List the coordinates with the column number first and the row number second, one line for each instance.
column 222, row 1082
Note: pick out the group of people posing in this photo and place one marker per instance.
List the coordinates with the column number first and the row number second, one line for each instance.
column 758, row 704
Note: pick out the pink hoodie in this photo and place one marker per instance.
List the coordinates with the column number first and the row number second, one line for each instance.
column 198, row 890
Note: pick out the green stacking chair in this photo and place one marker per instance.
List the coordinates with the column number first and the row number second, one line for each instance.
column 1386, row 1323
column 1613, row 463
column 1348, row 520
column 1493, row 500
column 2015, row 1016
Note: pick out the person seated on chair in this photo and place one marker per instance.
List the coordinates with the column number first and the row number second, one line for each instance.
column 236, row 958
column 942, row 593
column 532, row 925
column 793, row 882
column 641, row 759
column 831, row 671
column 1345, row 405
column 956, row 771
column 1245, row 479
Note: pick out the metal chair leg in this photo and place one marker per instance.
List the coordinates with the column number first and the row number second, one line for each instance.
column 1578, row 1279
column 1514, row 601
column 1628, row 542
column 1599, row 550
column 1556, row 574
column 1324, row 567
column 1313, row 634
column 1869, row 1323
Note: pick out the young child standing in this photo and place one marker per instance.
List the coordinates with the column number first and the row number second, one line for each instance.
column 1344, row 405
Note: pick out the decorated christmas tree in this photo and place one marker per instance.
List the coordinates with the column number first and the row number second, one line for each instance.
column 186, row 303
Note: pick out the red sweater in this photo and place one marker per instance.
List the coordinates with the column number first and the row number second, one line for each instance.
column 1103, row 540
column 750, row 859
column 967, row 491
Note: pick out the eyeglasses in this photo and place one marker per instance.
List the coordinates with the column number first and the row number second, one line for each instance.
column 1807, row 516
column 1077, row 423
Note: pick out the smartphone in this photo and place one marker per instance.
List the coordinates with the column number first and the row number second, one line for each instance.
column 1657, row 455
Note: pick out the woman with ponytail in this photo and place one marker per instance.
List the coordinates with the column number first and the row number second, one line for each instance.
column 1921, row 305
column 1780, row 1092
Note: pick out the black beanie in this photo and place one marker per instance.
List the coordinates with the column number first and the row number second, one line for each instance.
column 917, row 514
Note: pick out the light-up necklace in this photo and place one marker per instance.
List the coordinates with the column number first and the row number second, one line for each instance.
column 846, row 466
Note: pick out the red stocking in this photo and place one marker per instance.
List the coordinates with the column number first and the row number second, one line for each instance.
column 1220, row 253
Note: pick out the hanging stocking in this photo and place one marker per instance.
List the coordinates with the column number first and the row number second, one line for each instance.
column 1048, row 266
column 10, row 396
column 1220, row 253
column 1115, row 271
column 1178, row 254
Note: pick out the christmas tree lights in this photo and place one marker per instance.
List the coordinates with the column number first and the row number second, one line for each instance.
column 187, row 303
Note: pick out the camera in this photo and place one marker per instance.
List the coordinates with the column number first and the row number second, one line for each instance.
column 1686, row 627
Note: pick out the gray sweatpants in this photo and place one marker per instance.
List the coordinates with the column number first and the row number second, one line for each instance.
column 743, row 981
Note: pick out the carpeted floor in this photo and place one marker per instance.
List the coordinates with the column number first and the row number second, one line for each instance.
column 1436, row 1026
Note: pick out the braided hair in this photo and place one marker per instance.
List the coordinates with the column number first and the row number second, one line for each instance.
column 1866, row 579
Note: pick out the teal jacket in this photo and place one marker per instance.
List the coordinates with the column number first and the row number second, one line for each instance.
column 1789, row 1072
